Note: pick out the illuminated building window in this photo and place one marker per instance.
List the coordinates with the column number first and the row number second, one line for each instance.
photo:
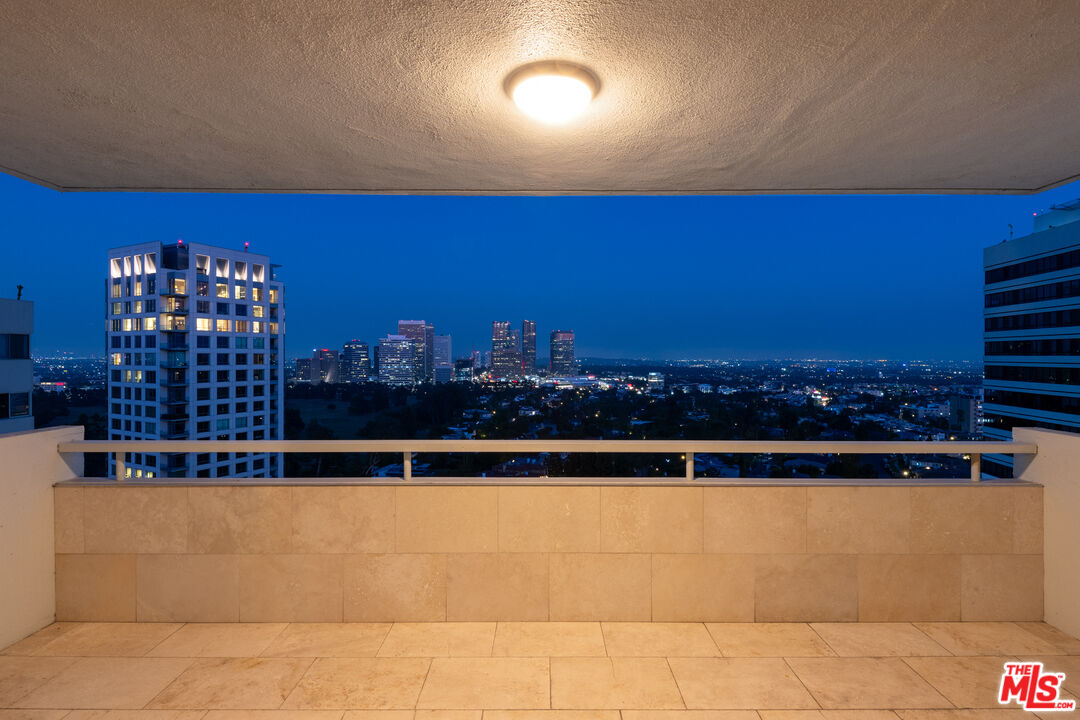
column 127, row 324
column 115, row 358
column 150, row 323
column 202, row 324
column 221, row 325
column 241, row 292
column 258, row 311
column 242, row 326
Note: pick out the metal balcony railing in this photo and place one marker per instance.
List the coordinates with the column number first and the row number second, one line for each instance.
column 972, row 450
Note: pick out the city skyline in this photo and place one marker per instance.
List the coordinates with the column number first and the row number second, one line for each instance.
column 857, row 277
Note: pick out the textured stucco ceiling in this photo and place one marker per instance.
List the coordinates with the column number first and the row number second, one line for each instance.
column 698, row 96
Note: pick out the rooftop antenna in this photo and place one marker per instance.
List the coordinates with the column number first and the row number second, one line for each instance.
column 18, row 295
column 246, row 243
column 1010, row 231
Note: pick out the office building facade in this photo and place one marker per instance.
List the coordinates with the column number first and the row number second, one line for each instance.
column 422, row 335
column 325, row 366
column 355, row 362
column 505, row 350
column 1031, row 331
column 444, row 350
column 16, row 367
column 528, row 347
column 195, row 339
column 397, row 361
column 563, row 361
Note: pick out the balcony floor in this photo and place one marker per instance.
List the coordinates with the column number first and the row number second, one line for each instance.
column 752, row 671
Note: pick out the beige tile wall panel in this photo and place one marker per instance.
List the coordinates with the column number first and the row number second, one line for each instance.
column 447, row 519
column 395, row 588
column 549, row 519
column 188, row 588
column 755, row 520
column 497, row 586
column 898, row 588
column 651, row 519
column 600, row 586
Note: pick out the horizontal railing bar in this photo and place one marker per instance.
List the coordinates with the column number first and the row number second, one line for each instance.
column 813, row 447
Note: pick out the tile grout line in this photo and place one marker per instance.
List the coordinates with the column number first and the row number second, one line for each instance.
column 299, row 680
column 667, row 662
column 807, row 689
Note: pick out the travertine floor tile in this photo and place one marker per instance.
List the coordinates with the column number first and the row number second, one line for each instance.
column 689, row 715
column 362, row 683
column 877, row 639
column 136, row 715
column 983, row 714
column 619, row 682
column 987, row 638
column 495, row 683
column 233, row 684
column 739, row 683
column 329, row 640
column 25, row 714
column 109, row 639
column 278, row 715
column 1069, row 665
column 452, row 639
column 658, row 640
column 867, row 683
column 552, row 714
column 110, row 683
column 31, row 644
column 767, row 640
column 546, row 639
column 828, row 715
column 1063, row 641
column 218, row 640
column 19, row 676
column 968, row 682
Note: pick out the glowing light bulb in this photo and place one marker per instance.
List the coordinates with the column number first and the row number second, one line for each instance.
column 553, row 93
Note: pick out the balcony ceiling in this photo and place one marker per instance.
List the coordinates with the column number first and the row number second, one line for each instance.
column 697, row 96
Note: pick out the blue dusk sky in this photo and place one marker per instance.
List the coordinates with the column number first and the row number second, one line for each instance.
column 838, row 277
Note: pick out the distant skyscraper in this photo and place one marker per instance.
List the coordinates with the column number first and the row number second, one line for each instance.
column 444, row 373
column 195, row 345
column 356, row 365
column 562, row 353
column 397, row 358
column 422, row 335
column 325, row 367
column 303, row 370
column 505, row 350
column 528, row 346
column 444, row 351
column 1031, row 316
column 463, row 370
column 16, row 367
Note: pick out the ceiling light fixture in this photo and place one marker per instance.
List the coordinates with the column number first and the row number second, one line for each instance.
column 552, row 91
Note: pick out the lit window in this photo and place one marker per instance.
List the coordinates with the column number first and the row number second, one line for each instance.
column 150, row 323
column 138, row 287
column 241, row 292
column 258, row 310
column 115, row 359
column 221, row 325
column 257, row 293
column 222, row 290
column 116, row 308
column 138, row 306
column 273, row 295
column 257, row 326
column 242, row 326
column 202, row 324
column 127, row 324
column 273, row 328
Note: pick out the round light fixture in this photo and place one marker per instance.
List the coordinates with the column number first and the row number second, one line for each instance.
column 552, row 91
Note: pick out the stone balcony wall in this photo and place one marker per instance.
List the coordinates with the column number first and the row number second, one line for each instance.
column 432, row 553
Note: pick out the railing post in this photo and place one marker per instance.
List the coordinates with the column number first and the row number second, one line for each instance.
column 407, row 467
column 976, row 467
column 121, row 469
column 689, row 467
